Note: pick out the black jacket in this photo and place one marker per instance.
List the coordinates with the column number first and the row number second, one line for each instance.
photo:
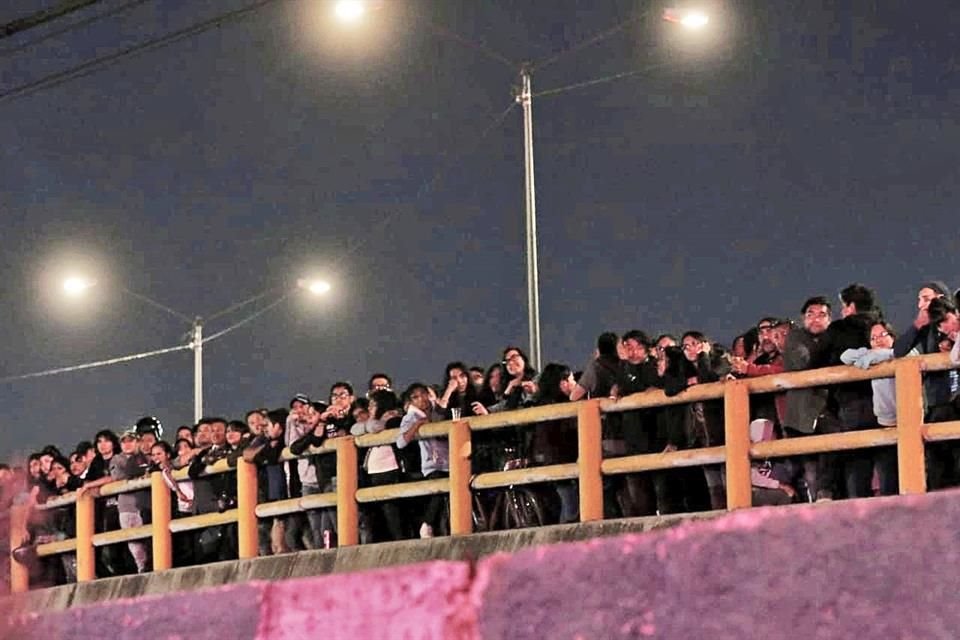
column 640, row 431
column 852, row 332
column 707, row 368
column 936, row 384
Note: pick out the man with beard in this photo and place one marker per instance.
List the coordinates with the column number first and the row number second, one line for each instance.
column 769, row 360
column 805, row 410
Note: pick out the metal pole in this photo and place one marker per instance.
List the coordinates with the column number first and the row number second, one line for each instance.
column 533, row 280
column 197, row 369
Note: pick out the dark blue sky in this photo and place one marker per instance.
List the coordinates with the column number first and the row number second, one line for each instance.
column 800, row 147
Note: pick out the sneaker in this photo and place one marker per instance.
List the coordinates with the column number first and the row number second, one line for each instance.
column 426, row 531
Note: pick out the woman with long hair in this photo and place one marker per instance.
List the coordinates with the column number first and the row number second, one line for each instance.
column 696, row 362
column 459, row 394
column 381, row 463
column 555, row 441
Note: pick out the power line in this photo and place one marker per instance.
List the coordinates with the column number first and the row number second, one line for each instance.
column 96, row 64
column 93, row 365
column 601, row 80
column 596, row 39
column 250, row 318
column 444, row 32
column 240, row 305
column 71, row 27
column 43, row 16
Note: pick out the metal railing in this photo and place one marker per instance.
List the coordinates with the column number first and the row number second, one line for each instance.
column 736, row 454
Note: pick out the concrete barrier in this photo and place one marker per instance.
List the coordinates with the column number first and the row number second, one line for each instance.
column 880, row 568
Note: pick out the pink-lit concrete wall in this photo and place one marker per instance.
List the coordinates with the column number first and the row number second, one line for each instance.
column 882, row 568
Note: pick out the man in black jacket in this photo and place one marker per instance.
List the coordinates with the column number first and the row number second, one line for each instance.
column 854, row 400
column 645, row 493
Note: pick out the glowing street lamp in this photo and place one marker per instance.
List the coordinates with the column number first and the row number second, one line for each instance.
column 350, row 11
column 316, row 287
column 75, row 286
column 691, row 19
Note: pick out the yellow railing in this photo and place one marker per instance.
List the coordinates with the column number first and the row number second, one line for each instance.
column 909, row 437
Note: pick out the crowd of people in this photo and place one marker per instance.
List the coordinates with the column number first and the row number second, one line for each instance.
column 855, row 333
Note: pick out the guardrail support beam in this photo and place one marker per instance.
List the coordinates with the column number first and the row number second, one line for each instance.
column 160, row 507
column 348, row 514
column 461, row 504
column 736, row 411
column 589, row 439
column 910, row 462
column 19, row 573
column 86, row 562
column 246, row 510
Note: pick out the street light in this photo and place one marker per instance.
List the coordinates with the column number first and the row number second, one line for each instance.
column 350, row 11
column 316, row 287
column 690, row 20
column 75, row 286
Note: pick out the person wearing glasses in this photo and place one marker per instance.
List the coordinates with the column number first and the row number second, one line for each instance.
column 854, row 400
column 882, row 338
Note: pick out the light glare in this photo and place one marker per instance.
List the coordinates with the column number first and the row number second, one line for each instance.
column 76, row 286
column 350, row 11
column 316, row 287
column 695, row 20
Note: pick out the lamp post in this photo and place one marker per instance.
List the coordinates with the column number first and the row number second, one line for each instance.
column 76, row 286
column 689, row 19
column 525, row 98
column 352, row 11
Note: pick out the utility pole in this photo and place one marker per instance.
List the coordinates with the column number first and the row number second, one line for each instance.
column 197, row 345
column 525, row 98
column 43, row 16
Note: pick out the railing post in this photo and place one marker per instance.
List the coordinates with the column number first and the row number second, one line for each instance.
column 19, row 573
column 461, row 505
column 348, row 517
column 160, row 507
column 590, row 457
column 246, row 510
column 910, row 462
column 86, row 562
column 736, row 411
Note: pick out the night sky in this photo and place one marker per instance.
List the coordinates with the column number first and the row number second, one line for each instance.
column 786, row 151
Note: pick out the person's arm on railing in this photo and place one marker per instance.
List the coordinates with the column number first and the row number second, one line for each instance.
column 307, row 440
column 197, row 465
column 907, row 340
column 864, row 358
column 409, row 427
column 94, row 485
column 237, row 453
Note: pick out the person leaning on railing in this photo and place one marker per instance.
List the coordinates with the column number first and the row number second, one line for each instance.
column 698, row 362
column 647, row 493
column 128, row 465
column 265, row 451
column 380, row 463
column 854, row 400
column 806, row 410
column 434, row 452
column 884, row 398
column 555, row 441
